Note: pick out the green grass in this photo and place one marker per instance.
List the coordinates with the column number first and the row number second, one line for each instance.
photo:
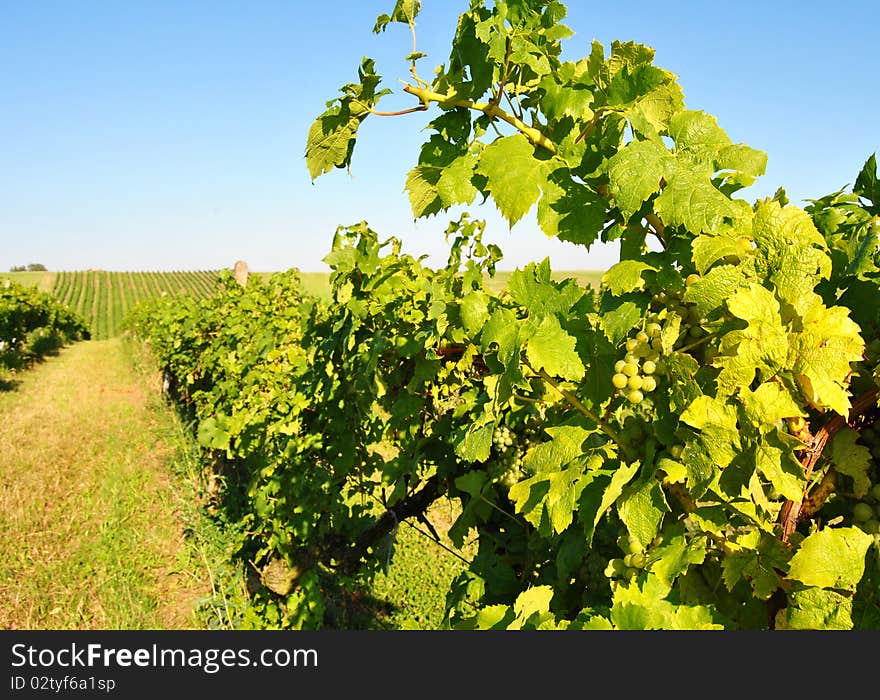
column 41, row 280
column 96, row 501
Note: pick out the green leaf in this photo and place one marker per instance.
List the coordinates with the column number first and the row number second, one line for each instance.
column 759, row 557
column 761, row 347
column 642, row 604
column 717, row 422
column 676, row 555
column 817, row 609
column 533, row 288
column 867, row 184
column 330, row 142
column 642, row 510
column 618, row 318
column 626, row 276
column 831, row 558
column 422, row 188
column 708, row 250
column 852, row 459
column 553, row 495
column 474, row 312
column 821, row 356
column 550, row 348
column 477, row 442
column 635, row 172
column 454, row 185
column 769, row 403
column 714, row 288
column 697, row 135
column 781, row 469
column 621, row 477
column 535, row 600
column 691, row 201
column 565, row 445
column 570, row 211
column 514, row 177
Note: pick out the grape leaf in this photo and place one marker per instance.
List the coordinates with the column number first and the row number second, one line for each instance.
column 514, row 177
column 831, row 558
column 852, row 459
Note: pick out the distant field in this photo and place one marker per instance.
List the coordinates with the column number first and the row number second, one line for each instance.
column 40, row 280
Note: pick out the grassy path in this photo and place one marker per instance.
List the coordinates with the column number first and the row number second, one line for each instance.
column 91, row 516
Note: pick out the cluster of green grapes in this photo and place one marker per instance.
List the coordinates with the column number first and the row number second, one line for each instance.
column 632, row 562
column 509, row 461
column 670, row 302
column 635, row 375
column 866, row 511
column 591, row 574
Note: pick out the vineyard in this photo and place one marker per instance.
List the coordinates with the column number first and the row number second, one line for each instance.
column 692, row 445
column 103, row 298
column 687, row 440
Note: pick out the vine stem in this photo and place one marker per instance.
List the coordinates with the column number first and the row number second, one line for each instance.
column 503, row 512
column 490, row 109
column 399, row 113
column 699, row 342
column 790, row 513
column 576, row 404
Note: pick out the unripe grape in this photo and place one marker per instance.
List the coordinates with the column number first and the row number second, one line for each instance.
column 872, row 526
column 676, row 450
column 653, row 329
column 875, row 492
column 638, row 560
column 649, row 367
column 630, row 369
column 692, row 279
column 642, row 337
column 635, row 382
column 657, row 344
column 648, row 383
column 618, row 366
column 616, row 566
column 862, row 512
column 619, row 380
column 635, row 396
column 631, row 345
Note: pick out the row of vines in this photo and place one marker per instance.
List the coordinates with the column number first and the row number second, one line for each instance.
column 34, row 324
column 104, row 298
column 692, row 446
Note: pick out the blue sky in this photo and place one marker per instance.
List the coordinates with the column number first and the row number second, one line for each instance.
column 168, row 135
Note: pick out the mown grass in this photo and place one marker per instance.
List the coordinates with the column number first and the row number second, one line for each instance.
column 97, row 503
column 39, row 279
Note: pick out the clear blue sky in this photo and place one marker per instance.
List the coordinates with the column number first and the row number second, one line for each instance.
column 164, row 135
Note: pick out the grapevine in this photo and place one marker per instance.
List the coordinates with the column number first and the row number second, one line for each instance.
column 692, row 446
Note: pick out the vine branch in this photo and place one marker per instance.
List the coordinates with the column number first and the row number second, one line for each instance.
column 792, row 512
column 490, row 109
